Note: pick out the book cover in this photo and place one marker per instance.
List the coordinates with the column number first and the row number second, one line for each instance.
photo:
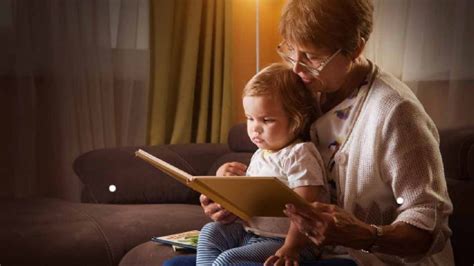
column 186, row 240
column 244, row 196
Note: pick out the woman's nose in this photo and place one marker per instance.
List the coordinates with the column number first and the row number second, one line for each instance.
column 297, row 67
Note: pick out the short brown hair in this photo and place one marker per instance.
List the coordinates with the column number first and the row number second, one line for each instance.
column 299, row 102
column 330, row 24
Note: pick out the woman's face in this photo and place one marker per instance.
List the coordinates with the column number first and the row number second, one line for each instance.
column 332, row 75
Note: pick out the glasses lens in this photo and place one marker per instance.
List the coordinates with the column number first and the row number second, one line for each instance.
column 289, row 54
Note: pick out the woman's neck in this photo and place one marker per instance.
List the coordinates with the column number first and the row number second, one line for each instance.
column 356, row 75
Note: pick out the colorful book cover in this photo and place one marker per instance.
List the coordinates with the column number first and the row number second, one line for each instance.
column 186, row 240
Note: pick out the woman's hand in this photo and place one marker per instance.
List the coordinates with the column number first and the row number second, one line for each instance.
column 232, row 169
column 215, row 211
column 283, row 256
column 327, row 224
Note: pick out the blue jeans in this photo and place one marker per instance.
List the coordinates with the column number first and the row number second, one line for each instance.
column 185, row 260
column 190, row 260
column 231, row 244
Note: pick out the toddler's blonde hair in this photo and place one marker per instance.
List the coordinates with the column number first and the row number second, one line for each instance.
column 279, row 80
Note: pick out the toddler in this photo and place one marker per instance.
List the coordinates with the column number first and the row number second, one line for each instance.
column 279, row 111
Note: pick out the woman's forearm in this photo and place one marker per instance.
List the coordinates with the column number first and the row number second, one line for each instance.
column 402, row 239
column 338, row 227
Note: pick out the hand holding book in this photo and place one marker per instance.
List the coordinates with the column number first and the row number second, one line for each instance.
column 215, row 211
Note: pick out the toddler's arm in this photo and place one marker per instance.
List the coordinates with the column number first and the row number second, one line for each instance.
column 295, row 240
column 232, row 169
column 214, row 210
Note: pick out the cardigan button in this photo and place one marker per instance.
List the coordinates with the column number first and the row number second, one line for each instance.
column 341, row 158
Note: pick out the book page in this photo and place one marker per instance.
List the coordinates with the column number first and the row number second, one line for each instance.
column 164, row 166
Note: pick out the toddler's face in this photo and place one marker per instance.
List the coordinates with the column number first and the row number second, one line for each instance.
column 267, row 122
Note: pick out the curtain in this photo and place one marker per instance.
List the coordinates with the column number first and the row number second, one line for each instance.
column 74, row 77
column 428, row 45
column 190, row 77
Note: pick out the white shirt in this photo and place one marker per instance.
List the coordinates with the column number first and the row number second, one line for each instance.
column 298, row 164
column 388, row 150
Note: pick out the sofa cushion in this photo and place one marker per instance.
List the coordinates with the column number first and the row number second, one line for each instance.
column 49, row 232
column 151, row 253
column 57, row 232
column 137, row 181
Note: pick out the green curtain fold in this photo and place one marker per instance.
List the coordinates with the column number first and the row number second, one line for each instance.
column 190, row 71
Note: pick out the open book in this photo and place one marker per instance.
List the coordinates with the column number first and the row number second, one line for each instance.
column 244, row 196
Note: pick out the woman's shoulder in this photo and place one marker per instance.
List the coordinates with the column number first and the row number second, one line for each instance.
column 388, row 92
column 393, row 102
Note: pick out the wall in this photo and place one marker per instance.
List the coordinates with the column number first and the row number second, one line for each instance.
column 244, row 43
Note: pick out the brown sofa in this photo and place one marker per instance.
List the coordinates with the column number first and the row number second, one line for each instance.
column 109, row 228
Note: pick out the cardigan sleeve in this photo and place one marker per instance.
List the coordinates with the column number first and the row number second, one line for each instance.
column 413, row 167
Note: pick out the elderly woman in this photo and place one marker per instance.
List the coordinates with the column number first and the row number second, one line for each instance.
column 381, row 149
column 390, row 204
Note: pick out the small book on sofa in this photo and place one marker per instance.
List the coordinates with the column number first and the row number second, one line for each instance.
column 244, row 196
column 186, row 240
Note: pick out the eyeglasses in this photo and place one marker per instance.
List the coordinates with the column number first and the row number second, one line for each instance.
column 289, row 54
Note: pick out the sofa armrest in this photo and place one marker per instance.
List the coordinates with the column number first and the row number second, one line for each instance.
column 457, row 150
column 137, row 181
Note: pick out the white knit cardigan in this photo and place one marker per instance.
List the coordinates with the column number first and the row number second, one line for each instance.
column 392, row 152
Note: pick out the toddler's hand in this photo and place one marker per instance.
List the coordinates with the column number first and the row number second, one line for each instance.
column 284, row 256
column 215, row 211
column 232, row 169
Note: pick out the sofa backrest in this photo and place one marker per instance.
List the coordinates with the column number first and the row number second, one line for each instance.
column 457, row 150
column 240, row 145
column 239, row 140
column 138, row 182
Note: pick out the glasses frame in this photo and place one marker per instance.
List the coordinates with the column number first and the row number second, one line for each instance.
column 316, row 71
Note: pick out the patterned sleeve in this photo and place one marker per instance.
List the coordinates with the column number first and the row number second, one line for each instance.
column 412, row 165
column 303, row 166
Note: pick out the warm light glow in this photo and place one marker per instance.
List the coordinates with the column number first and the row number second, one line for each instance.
column 248, row 55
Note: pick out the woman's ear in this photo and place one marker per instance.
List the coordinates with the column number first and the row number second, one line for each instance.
column 360, row 48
